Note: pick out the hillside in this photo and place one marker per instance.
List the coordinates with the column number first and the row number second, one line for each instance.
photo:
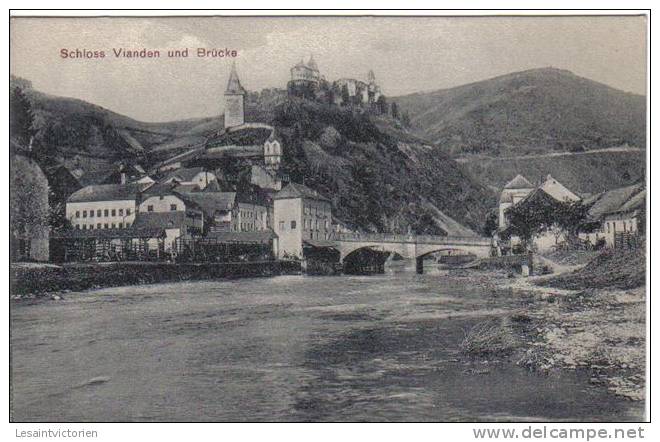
column 585, row 173
column 380, row 177
column 378, row 181
column 91, row 138
column 534, row 111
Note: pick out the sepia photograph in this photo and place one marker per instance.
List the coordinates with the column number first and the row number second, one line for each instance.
column 328, row 218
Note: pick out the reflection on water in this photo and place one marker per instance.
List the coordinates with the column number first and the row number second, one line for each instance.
column 291, row 348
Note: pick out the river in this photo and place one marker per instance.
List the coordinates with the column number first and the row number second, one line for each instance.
column 289, row 348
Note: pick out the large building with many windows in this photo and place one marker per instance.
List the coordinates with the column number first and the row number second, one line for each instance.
column 103, row 206
column 300, row 214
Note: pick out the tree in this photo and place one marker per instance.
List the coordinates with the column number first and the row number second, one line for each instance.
column 395, row 111
column 491, row 224
column 405, row 119
column 571, row 218
column 540, row 212
column 530, row 217
column 21, row 117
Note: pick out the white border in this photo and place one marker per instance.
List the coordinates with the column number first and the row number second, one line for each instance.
column 329, row 432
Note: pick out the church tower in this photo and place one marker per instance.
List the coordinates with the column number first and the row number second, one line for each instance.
column 234, row 100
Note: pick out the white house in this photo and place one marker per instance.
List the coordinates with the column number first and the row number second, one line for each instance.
column 513, row 192
column 103, row 206
column 300, row 214
column 161, row 207
column 191, row 176
column 520, row 189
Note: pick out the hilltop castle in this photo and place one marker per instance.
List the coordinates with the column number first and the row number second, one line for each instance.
column 307, row 82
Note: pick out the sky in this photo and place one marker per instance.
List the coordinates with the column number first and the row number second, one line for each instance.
column 407, row 54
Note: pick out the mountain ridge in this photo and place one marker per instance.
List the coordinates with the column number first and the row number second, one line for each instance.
column 526, row 112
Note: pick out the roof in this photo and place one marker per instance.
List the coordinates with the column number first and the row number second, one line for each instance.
column 519, row 182
column 256, row 237
column 184, row 174
column 557, row 190
column 159, row 189
column 255, row 195
column 312, row 63
column 188, row 187
column 294, row 190
column 209, row 202
column 106, row 192
column 132, row 232
column 234, row 84
column 617, row 200
column 159, row 220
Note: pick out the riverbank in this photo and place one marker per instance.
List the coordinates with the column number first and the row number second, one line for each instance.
column 39, row 280
column 591, row 318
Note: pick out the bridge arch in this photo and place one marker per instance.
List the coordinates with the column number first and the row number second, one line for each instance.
column 368, row 259
column 456, row 255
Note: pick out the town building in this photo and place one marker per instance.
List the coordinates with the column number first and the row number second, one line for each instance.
column 191, row 176
column 620, row 212
column 162, row 207
column 103, row 206
column 521, row 191
column 234, row 100
column 300, row 214
column 513, row 192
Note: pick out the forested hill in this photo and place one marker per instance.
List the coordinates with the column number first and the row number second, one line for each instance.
column 533, row 111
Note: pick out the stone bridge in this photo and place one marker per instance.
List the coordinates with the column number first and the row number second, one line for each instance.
column 410, row 246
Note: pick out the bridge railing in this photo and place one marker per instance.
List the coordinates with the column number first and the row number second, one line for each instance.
column 403, row 238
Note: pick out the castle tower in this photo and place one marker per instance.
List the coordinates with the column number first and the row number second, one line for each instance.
column 234, row 100
column 371, row 77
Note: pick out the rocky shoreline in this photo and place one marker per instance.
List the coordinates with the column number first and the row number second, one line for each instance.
column 600, row 330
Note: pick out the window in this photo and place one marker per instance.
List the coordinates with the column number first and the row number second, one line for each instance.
column 608, row 227
column 91, row 214
column 84, row 226
column 293, row 225
column 114, row 212
column 77, row 213
column 105, row 225
column 114, row 226
column 128, row 225
column 105, row 212
column 78, row 226
column 128, row 212
column 121, row 225
column 98, row 225
column 91, row 227
column 282, row 225
column 98, row 212
column 84, row 214
column 173, row 207
column 624, row 226
column 150, row 208
column 121, row 212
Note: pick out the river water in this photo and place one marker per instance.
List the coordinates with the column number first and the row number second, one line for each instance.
column 289, row 348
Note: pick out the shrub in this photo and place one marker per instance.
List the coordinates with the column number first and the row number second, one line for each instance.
column 489, row 338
